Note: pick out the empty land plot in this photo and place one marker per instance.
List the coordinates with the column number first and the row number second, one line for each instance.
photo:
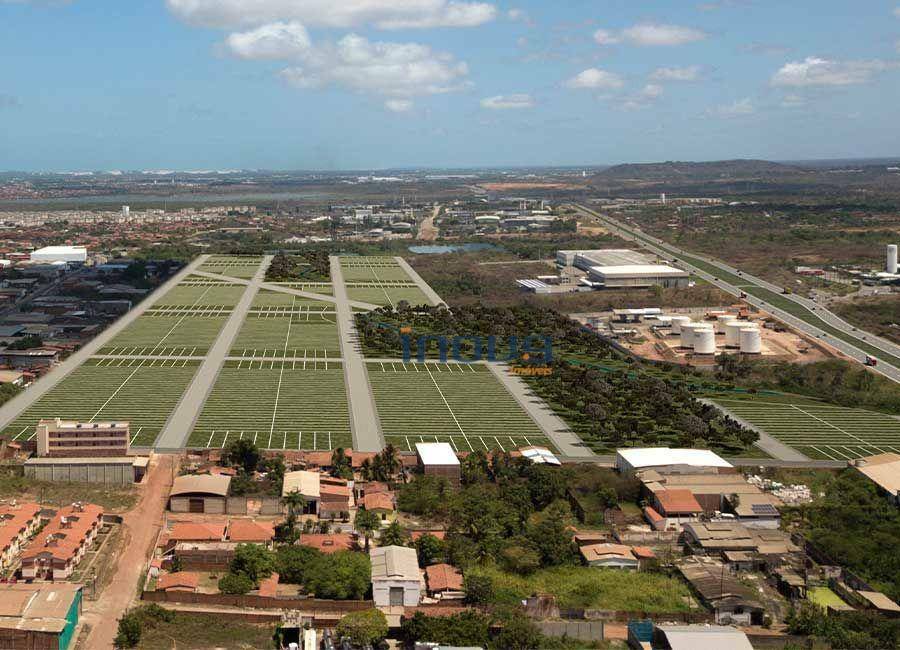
column 243, row 271
column 372, row 269
column 195, row 296
column 278, row 408
column 388, row 296
column 139, row 394
column 324, row 288
column 820, row 431
column 459, row 403
column 292, row 336
column 266, row 298
column 154, row 335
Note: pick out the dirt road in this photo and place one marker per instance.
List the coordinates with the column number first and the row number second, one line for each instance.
column 427, row 230
column 140, row 527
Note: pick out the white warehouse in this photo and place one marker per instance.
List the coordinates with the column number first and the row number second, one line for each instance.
column 50, row 254
column 616, row 268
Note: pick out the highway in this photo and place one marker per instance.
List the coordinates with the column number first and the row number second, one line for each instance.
column 801, row 313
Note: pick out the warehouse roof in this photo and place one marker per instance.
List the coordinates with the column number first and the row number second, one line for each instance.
column 662, row 456
column 883, row 470
column 704, row 637
column 201, row 484
column 395, row 562
column 36, row 607
column 638, row 270
column 436, row 453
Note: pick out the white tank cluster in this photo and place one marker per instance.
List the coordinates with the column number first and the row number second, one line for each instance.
column 722, row 320
column 678, row 322
column 751, row 340
column 691, row 333
column 892, row 259
column 733, row 333
column 704, row 341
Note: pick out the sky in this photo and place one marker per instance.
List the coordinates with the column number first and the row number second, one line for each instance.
column 373, row 84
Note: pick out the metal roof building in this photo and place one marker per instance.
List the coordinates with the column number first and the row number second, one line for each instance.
column 50, row 254
column 665, row 460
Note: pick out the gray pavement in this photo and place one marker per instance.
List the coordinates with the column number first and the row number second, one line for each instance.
column 610, row 461
column 14, row 407
column 812, row 311
column 364, row 422
column 553, row 426
column 178, row 427
column 423, row 286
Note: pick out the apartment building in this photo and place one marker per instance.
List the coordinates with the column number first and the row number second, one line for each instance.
column 58, row 438
column 55, row 552
column 17, row 523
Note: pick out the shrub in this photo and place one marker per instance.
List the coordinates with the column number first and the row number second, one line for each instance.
column 363, row 628
column 235, row 583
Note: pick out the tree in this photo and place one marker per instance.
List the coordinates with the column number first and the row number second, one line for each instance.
column 340, row 464
column 424, row 495
column 345, row 575
column 129, row 632
column 292, row 562
column 253, row 561
column 394, row 535
column 430, row 550
column 242, row 452
column 363, row 628
column 468, row 628
column 366, row 523
column 518, row 633
column 521, row 560
column 274, row 468
column 550, row 533
column 235, row 583
column 294, row 501
column 479, row 588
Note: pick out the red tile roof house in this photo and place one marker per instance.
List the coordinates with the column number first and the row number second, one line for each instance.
column 248, row 531
column 444, row 580
column 56, row 550
column 17, row 524
column 335, row 501
column 189, row 531
column 381, row 503
column 671, row 508
column 179, row 581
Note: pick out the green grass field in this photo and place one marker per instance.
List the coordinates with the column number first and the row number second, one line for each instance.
column 267, row 299
column 818, row 430
column 387, row 295
column 141, row 395
column 323, row 288
column 198, row 295
column 297, row 336
column 279, row 408
column 461, row 404
column 369, row 269
column 154, row 335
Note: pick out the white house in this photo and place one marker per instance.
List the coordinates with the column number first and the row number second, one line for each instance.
column 396, row 579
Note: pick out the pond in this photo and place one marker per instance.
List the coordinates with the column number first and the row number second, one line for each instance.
column 457, row 248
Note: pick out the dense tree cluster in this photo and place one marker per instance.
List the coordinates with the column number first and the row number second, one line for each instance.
column 845, row 630
column 311, row 266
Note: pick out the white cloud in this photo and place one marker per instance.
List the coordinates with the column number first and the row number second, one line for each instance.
column 274, row 41
column 595, row 79
column 688, row 73
column 650, row 34
column 738, row 108
column 397, row 70
column 384, row 14
column 793, row 101
column 813, row 71
column 506, row 102
column 606, row 37
column 399, row 105
column 644, row 98
column 520, row 16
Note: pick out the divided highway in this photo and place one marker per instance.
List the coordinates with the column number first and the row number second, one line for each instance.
column 803, row 314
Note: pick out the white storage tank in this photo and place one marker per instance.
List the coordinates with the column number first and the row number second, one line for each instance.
column 751, row 340
column 678, row 322
column 722, row 320
column 704, row 341
column 892, row 259
column 733, row 333
column 687, row 334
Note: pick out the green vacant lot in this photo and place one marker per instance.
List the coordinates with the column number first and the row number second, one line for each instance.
column 293, row 336
column 151, row 334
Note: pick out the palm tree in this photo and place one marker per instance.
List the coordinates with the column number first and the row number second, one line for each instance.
column 366, row 523
column 294, row 501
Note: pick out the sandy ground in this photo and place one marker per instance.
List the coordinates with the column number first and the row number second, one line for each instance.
column 140, row 527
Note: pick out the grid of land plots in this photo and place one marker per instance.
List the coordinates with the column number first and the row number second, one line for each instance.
column 821, row 431
column 190, row 294
column 274, row 301
column 235, row 266
column 324, row 288
column 279, row 406
column 299, row 335
column 462, row 404
column 380, row 281
column 142, row 392
column 153, row 335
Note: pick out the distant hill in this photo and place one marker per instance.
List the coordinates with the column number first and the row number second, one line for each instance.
column 676, row 171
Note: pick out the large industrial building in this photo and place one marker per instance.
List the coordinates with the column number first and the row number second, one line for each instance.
column 51, row 254
column 621, row 268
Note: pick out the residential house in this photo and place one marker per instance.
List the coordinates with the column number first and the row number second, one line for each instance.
column 396, row 578
column 249, row 531
column 381, row 503
column 699, row 637
column 17, row 523
column 183, row 581
column 444, row 581
column 613, row 556
column 732, row 601
column 54, row 552
column 672, row 508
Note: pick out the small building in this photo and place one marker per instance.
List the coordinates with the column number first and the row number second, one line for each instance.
column 308, row 485
column 539, row 455
column 676, row 507
column 18, row 522
column 59, row 438
column 335, row 498
column 14, row 377
column 182, row 581
column 699, row 637
column 884, row 471
column 438, row 459
column 106, row 470
column 36, row 358
column 203, row 556
column 671, row 461
column 250, row 531
column 611, row 556
column 195, row 531
column 50, row 254
column 396, row 579
column 381, row 503
column 444, row 581
column 732, row 601
column 199, row 493
column 54, row 552
column 39, row 616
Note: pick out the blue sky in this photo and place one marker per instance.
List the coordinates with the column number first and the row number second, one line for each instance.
column 341, row 84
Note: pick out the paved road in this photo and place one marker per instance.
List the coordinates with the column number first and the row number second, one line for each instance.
column 178, row 427
column 610, row 461
column 364, row 422
column 553, row 426
column 808, row 317
column 424, row 286
column 140, row 529
column 14, row 407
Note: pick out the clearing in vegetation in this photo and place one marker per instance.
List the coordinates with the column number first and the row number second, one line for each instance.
column 462, row 404
column 820, row 430
column 279, row 407
column 142, row 394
